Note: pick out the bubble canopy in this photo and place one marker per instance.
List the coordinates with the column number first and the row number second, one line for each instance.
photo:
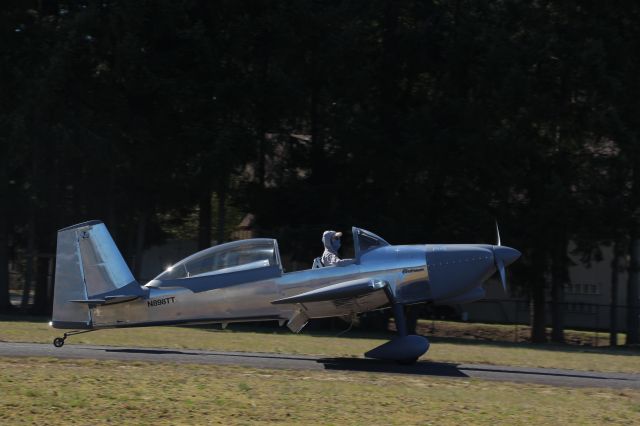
column 230, row 257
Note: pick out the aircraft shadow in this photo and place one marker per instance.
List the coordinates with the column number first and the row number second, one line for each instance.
column 424, row 368
column 149, row 351
column 345, row 364
column 573, row 375
column 205, row 354
column 440, row 369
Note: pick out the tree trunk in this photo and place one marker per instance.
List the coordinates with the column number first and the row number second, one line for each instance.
column 390, row 75
column 559, row 277
column 262, row 156
column 222, row 200
column 633, row 291
column 5, row 298
column 40, row 302
column 263, row 107
column 538, row 330
column 140, row 239
column 633, row 283
column 557, row 308
column 30, row 268
column 47, row 218
column 613, row 309
column 204, row 219
column 317, row 149
column 317, row 160
column 389, row 71
column 111, row 196
column 31, row 221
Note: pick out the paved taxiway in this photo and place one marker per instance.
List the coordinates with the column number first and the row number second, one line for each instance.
column 545, row 376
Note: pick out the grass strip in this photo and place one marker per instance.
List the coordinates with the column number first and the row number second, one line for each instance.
column 46, row 392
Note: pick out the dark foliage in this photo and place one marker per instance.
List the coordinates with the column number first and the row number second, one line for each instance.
column 422, row 120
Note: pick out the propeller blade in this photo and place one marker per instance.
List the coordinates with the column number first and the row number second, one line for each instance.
column 502, row 254
column 503, row 277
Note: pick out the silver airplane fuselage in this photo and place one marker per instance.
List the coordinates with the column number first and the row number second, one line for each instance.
column 456, row 270
column 244, row 281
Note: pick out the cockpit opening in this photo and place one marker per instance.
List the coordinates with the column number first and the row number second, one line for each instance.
column 363, row 242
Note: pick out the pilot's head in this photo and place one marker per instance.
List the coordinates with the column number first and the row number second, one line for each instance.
column 331, row 240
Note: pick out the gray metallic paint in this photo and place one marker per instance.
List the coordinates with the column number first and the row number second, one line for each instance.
column 411, row 273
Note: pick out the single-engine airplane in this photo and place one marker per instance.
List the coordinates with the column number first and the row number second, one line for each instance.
column 243, row 281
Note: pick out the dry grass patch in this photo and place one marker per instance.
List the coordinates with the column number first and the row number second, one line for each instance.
column 45, row 391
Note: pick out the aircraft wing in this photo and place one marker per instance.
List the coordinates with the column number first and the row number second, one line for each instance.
column 343, row 290
column 107, row 300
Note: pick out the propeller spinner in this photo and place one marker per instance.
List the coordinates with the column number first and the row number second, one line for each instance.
column 503, row 256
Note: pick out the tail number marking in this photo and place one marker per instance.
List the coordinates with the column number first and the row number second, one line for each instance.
column 158, row 302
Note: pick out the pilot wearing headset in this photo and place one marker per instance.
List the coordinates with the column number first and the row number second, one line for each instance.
column 331, row 241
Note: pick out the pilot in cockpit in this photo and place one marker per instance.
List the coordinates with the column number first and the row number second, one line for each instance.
column 331, row 241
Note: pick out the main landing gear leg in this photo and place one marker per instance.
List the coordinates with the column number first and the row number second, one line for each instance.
column 404, row 349
column 58, row 342
column 400, row 319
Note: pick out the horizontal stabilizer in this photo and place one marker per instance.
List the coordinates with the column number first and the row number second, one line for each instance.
column 108, row 300
column 343, row 290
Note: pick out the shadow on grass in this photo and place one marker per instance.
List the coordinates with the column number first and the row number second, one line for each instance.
column 542, row 372
column 265, row 356
column 442, row 369
column 436, row 369
column 149, row 351
column 266, row 360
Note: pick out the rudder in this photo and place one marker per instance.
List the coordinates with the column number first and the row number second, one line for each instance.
column 88, row 263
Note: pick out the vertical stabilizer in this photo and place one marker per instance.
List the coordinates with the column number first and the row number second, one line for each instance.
column 88, row 263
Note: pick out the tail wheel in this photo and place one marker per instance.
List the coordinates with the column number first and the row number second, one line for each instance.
column 58, row 342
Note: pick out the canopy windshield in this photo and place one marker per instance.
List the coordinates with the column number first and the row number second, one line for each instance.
column 365, row 241
column 230, row 257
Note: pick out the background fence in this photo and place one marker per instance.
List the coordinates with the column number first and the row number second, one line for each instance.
column 586, row 323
